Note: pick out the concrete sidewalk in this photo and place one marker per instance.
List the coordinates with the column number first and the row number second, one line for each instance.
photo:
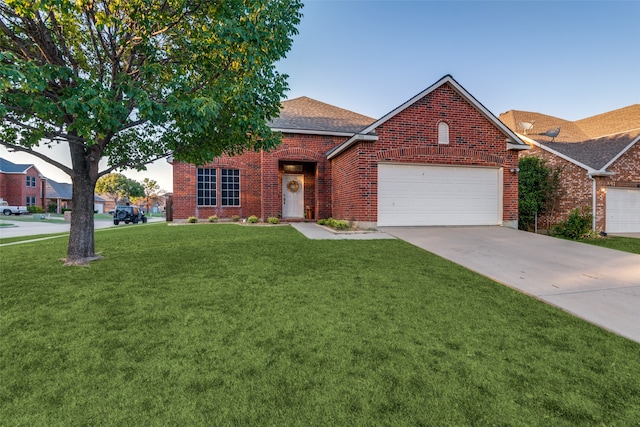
column 596, row 284
column 34, row 228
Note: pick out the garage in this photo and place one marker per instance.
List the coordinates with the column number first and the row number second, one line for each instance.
column 623, row 210
column 410, row 194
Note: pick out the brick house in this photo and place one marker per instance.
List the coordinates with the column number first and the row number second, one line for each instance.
column 440, row 158
column 600, row 157
column 22, row 185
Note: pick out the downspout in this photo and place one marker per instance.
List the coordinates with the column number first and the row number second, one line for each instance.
column 593, row 203
column 594, row 192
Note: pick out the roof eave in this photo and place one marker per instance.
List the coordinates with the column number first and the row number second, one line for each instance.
column 517, row 147
column 600, row 173
column 312, row 132
column 355, row 138
column 624, row 150
column 557, row 153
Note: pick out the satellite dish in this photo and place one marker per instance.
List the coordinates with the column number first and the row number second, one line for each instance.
column 552, row 133
column 526, row 125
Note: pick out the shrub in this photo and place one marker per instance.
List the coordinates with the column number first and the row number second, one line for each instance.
column 576, row 226
column 335, row 223
column 192, row 220
column 341, row 225
column 35, row 209
column 52, row 208
column 252, row 219
column 539, row 190
column 273, row 220
column 213, row 218
column 235, row 218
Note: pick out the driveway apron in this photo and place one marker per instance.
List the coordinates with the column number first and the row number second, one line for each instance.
column 596, row 284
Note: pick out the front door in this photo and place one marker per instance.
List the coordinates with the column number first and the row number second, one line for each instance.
column 292, row 196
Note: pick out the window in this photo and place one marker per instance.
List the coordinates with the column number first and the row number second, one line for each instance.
column 31, row 181
column 206, row 187
column 443, row 133
column 31, row 200
column 230, row 187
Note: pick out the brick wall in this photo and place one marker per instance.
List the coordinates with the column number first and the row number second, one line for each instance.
column 412, row 137
column 577, row 187
column 261, row 179
column 14, row 190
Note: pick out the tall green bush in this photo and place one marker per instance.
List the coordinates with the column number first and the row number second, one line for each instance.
column 538, row 190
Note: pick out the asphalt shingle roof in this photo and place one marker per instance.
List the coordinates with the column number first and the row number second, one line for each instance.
column 59, row 190
column 308, row 114
column 9, row 167
column 593, row 141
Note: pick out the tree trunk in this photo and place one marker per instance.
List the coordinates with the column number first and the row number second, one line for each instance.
column 81, row 248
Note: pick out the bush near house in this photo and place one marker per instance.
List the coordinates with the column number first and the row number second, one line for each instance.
column 576, row 226
column 538, row 190
column 336, row 224
column 35, row 209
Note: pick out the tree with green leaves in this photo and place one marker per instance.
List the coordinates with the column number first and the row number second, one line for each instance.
column 118, row 186
column 134, row 81
column 539, row 190
column 151, row 188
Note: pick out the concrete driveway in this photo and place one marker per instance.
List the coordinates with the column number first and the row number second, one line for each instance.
column 599, row 285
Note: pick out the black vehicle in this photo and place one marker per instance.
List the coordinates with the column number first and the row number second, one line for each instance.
column 128, row 214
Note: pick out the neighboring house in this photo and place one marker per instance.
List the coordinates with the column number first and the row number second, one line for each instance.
column 61, row 195
column 440, row 158
column 600, row 157
column 21, row 185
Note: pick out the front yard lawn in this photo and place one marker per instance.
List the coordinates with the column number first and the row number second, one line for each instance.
column 257, row 326
column 626, row 244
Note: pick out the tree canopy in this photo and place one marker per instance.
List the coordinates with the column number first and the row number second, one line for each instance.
column 118, row 186
column 138, row 80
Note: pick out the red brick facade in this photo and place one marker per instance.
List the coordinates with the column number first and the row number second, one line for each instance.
column 14, row 189
column 344, row 184
column 261, row 180
column 412, row 137
column 577, row 186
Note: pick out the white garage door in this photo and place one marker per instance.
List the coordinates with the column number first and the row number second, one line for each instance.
column 438, row 195
column 623, row 210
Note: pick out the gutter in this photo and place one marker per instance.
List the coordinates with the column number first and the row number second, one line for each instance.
column 516, row 147
column 355, row 138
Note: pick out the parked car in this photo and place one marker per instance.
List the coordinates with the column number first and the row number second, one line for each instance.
column 7, row 209
column 128, row 214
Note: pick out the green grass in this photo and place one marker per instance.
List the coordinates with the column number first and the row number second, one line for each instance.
column 228, row 325
column 626, row 244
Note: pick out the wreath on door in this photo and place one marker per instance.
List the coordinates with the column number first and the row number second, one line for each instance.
column 293, row 186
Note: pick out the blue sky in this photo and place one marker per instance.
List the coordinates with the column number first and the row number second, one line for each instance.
column 569, row 59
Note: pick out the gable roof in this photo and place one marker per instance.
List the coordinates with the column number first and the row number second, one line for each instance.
column 367, row 133
column 9, row 167
column 59, row 190
column 64, row 191
column 616, row 121
column 306, row 115
column 592, row 143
